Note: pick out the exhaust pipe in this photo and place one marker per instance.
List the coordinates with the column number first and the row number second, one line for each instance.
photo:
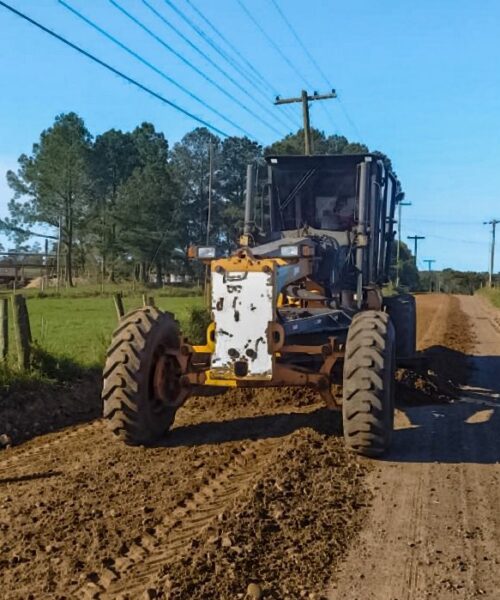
column 249, row 210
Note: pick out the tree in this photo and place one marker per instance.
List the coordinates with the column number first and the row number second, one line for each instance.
column 190, row 162
column 113, row 159
column 52, row 184
column 147, row 210
column 236, row 153
column 408, row 272
column 293, row 144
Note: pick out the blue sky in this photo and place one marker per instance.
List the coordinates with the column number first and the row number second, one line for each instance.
column 418, row 80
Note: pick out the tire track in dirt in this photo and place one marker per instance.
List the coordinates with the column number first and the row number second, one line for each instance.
column 435, row 328
column 436, row 494
column 411, row 570
column 34, row 454
column 136, row 568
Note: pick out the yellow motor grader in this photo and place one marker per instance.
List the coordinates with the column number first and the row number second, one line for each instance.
column 299, row 303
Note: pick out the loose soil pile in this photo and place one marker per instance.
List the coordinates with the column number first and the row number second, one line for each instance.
column 442, row 361
column 279, row 534
column 29, row 408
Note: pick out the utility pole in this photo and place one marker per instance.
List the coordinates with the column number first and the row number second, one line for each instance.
column 209, row 216
column 305, row 99
column 210, row 177
column 398, row 249
column 415, row 238
column 429, row 262
column 493, row 223
column 58, row 259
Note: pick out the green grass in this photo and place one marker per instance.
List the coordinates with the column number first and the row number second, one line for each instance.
column 75, row 331
column 492, row 294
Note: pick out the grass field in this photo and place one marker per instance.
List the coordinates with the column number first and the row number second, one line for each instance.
column 493, row 295
column 78, row 329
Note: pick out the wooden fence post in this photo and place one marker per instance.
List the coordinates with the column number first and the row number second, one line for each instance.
column 148, row 300
column 118, row 300
column 22, row 331
column 4, row 324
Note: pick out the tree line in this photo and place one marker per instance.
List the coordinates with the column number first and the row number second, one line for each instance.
column 128, row 205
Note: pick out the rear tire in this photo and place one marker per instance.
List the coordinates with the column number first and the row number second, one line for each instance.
column 403, row 312
column 136, row 410
column 368, row 395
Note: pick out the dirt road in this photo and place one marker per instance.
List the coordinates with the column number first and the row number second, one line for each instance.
column 433, row 530
column 258, row 489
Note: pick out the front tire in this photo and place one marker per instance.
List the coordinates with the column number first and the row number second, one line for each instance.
column 368, row 395
column 141, row 379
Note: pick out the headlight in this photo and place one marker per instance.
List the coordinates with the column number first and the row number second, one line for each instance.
column 206, row 252
column 290, row 251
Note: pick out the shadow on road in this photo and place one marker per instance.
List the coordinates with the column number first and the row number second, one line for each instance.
column 30, row 477
column 445, row 434
column 466, row 430
column 321, row 420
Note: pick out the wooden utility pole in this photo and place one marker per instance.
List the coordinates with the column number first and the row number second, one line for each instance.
column 305, row 99
column 4, row 324
column 493, row 223
column 58, row 259
column 416, row 238
column 398, row 249
column 210, row 184
column 429, row 262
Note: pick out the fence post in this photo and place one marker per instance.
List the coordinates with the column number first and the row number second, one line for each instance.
column 118, row 300
column 22, row 331
column 4, row 324
column 148, row 300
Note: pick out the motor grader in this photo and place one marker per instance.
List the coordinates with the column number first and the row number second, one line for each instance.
column 298, row 303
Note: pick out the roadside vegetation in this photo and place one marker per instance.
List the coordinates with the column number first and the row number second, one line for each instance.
column 71, row 330
column 492, row 294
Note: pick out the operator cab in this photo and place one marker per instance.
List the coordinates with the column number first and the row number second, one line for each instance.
column 341, row 205
column 313, row 192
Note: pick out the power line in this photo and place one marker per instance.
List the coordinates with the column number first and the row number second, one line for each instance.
column 318, row 68
column 456, row 240
column 187, row 62
column 113, row 70
column 444, row 222
column 211, row 43
column 207, row 39
column 211, row 61
column 272, row 43
column 301, row 44
column 151, row 66
column 191, row 65
column 308, row 54
column 250, row 66
column 279, row 51
column 349, row 119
